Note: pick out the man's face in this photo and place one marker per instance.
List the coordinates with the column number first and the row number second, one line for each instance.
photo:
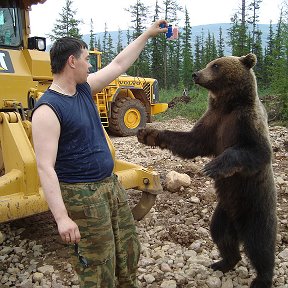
column 82, row 66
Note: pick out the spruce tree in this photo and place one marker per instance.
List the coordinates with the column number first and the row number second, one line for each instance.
column 119, row 41
column 110, row 54
column 220, row 44
column 171, row 9
column 139, row 15
column 157, row 52
column 92, row 36
column 268, row 57
column 187, row 64
column 279, row 69
column 197, row 53
column 105, row 59
column 67, row 24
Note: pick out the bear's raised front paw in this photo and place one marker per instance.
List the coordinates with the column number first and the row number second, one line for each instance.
column 148, row 136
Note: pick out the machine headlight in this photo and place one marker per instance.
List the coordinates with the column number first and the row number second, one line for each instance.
column 38, row 43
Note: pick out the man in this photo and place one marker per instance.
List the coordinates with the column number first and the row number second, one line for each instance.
column 75, row 164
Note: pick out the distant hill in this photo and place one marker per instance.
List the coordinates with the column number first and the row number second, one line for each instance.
column 196, row 31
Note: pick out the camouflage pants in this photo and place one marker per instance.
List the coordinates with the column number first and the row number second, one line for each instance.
column 108, row 236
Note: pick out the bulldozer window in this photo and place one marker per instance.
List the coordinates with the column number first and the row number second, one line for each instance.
column 9, row 27
column 93, row 62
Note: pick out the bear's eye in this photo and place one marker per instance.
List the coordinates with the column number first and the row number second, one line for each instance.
column 215, row 66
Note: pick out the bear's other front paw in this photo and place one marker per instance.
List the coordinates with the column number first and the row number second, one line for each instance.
column 148, row 136
column 216, row 170
column 211, row 169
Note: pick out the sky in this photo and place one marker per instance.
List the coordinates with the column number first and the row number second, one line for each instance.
column 112, row 12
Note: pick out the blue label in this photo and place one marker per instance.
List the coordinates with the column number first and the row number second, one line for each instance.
column 169, row 32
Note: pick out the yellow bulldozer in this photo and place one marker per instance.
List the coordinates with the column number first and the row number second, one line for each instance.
column 128, row 102
column 24, row 76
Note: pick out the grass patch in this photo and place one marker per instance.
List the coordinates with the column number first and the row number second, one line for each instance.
column 199, row 102
column 192, row 110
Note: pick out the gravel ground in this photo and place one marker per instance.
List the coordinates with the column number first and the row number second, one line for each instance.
column 176, row 245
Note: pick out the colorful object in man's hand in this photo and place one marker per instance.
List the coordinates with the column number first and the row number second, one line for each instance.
column 169, row 33
column 172, row 33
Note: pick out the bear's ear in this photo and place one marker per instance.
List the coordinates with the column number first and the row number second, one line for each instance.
column 249, row 60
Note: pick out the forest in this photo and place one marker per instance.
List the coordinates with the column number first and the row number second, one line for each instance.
column 173, row 62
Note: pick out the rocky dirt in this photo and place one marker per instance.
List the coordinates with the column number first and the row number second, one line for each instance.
column 176, row 245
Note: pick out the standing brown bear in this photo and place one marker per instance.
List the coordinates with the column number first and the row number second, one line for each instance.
column 234, row 131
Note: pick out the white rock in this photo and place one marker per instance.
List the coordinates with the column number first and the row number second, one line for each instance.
column 6, row 250
column 165, row 267
column 149, row 278
column 37, row 277
column 213, row 282
column 175, row 180
column 146, row 262
column 203, row 231
column 26, row 284
column 189, row 253
column 168, row 284
column 196, row 245
column 227, row 283
column 195, row 199
column 284, row 254
column 46, row 270
column 243, row 272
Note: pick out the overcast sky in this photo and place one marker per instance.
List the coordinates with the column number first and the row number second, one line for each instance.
column 43, row 16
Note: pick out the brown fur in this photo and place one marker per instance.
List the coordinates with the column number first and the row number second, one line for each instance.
column 234, row 132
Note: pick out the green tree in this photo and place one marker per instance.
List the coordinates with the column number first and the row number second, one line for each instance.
column 157, row 52
column 197, row 53
column 254, row 8
column 210, row 49
column 119, row 41
column 98, row 44
column 171, row 10
column 105, row 59
column 187, row 64
column 238, row 36
column 268, row 57
column 129, row 37
column 139, row 15
column 92, row 36
column 110, row 54
column 258, row 50
column 279, row 67
column 66, row 25
column 220, row 43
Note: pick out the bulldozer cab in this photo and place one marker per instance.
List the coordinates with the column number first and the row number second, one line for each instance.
column 10, row 27
column 14, row 25
column 95, row 60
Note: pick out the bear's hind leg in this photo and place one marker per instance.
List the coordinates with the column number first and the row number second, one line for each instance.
column 259, row 244
column 225, row 237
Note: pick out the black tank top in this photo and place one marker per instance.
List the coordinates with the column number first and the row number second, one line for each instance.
column 83, row 153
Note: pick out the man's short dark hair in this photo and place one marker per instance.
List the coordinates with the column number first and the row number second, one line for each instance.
column 62, row 49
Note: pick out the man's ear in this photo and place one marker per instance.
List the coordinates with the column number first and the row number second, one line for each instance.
column 71, row 61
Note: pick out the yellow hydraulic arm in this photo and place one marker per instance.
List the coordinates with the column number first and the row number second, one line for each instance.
column 20, row 192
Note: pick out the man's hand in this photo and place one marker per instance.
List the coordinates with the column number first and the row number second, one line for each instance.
column 155, row 28
column 68, row 230
column 148, row 136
